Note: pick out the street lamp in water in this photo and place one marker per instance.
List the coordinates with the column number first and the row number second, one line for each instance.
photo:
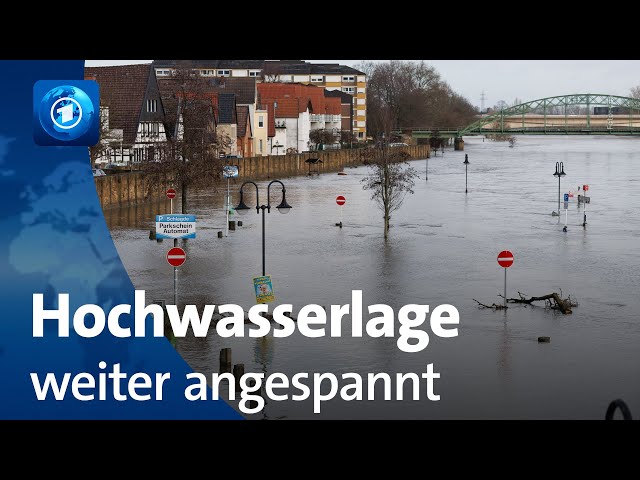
column 466, row 166
column 559, row 173
column 283, row 207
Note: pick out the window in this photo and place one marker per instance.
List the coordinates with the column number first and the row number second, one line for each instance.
column 317, row 79
column 207, row 73
column 360, row 134
column 349, row 89
column 260, row 145
column 224, row 73
column 348, row 79
column 152, row 105
column 261, row 122
column 254, row 73
column 163, row 73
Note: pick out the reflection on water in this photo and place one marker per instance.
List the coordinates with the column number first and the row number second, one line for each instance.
column 442, row 249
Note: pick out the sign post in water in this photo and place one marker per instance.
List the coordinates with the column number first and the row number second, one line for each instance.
column 340, row 201
column 505, row 260
column 566, row 211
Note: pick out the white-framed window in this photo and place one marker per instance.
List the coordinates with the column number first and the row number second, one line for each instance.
column 207, row 73
column 163, row 73
column 317, row 79
column 254, row 73
column 152, row 105
column 224, row 73
column 349, row 89
column 261, row 121
column 349, row 79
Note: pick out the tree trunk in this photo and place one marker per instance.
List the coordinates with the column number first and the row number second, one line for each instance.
column 183, row 189
column 386, row 225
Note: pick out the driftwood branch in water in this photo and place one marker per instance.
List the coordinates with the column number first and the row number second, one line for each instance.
column 493, row 305
column 562, row 304
column 552, row 300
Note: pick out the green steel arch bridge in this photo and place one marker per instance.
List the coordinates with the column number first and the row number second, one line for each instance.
column 561, row 115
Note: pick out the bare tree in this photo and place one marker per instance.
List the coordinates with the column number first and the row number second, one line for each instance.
column 390, row 179
column 191, row 156
column 635, row 92
column 322, row 136
column 347, row 137
column 436, row 141
column 99, row 150
column 410, row 94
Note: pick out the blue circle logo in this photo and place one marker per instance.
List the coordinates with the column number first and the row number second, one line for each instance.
column 66, row 113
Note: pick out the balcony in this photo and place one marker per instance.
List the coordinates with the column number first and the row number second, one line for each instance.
column 332, row 118
column 317, row 117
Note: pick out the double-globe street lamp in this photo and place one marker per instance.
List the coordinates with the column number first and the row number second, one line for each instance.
column 283, row 207
column 466, row 167
column 559, row 173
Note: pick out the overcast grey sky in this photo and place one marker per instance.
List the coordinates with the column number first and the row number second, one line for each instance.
column 524, row 79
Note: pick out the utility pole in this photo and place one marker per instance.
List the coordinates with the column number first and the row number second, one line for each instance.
column 482, row 97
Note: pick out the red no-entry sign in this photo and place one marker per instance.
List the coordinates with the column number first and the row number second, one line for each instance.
column 171, row 193
column 505, row 258
column 176, row 256
column 340, row 200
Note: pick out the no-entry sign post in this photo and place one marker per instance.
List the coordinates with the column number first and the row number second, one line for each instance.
column 171, row 194
column 505, row 260
column 340, row 200
column 176, row 257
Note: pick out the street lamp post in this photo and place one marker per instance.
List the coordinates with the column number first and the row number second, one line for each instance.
column 283, row 207
column 559, row 173
column 426, row 174
column 466, row 166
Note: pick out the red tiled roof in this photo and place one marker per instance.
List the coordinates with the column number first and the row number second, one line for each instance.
column 320, row 102
column 122, row 89
column 287, row 107
column 333, row 105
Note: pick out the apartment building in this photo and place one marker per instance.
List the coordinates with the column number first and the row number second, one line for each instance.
column 328, row 75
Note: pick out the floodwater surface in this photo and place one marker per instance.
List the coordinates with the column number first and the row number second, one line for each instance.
column 441, row 249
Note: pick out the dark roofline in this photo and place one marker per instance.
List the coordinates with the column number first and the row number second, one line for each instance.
column 287, row 66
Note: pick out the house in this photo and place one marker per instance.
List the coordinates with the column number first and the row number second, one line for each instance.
column 227, row 124
column 312, row 108
column 191, row 113
column 346, row 108
column 327, row 75
column 244, row 134
column 246, row 96
column 132, row 111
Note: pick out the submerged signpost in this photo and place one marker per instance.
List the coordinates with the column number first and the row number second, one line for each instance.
column 340, row 201
column 505, row 260
column 585, row 189
column 176, row 225
column 176, row 257
column 566, row 211
column 228, row 171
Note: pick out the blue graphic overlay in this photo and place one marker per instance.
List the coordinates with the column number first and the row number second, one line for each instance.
column 66, row 112
column 55, row 241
